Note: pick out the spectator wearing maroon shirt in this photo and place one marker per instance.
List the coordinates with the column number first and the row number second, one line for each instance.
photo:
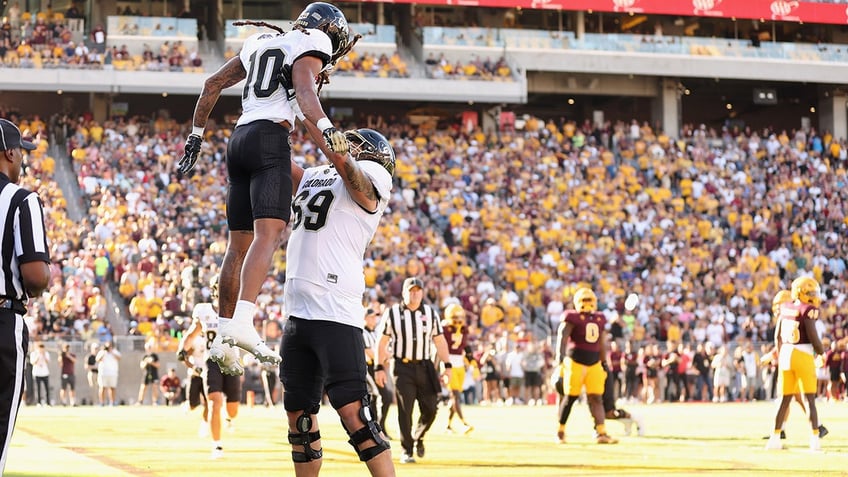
column 67, row 389
column 171, row 387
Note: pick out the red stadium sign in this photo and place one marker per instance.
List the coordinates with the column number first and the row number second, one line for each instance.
column 777, row 10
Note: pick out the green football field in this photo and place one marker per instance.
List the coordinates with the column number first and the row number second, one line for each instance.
column 682, row 439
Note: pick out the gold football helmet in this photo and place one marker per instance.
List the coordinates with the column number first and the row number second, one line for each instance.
column 585, row 300
column 454, row 312
column 806, row 290
column 783, row 296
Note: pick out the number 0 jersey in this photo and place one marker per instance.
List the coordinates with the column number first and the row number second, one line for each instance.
column 268, row 60
column 585, row 336
column 330, row 232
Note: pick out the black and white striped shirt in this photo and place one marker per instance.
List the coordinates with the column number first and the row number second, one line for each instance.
column 22, row 237
column 412, row 332
column 370, row 338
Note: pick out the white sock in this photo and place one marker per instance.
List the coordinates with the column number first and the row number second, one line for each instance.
column 223, row 321
column 245, row 311
column 216, row 445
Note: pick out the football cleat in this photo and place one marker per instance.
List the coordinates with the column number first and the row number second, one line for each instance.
column 227, row 357
column 217, row 453
column 628, row 425
column 606, row 439
column 815, row 444
column 407, row 459
column 640, row 425
column 243, row 335
column 561, row 437
column 823, row 432
column 419, row 448
column 774, row 443
column 468, row 429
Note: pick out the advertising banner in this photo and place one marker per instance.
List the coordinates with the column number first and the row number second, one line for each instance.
column 776, row 10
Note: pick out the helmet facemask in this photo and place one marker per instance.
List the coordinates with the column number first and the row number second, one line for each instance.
column 368, row 145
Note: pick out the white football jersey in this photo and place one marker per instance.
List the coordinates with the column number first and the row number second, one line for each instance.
column 330, row 232
column 207, row 317
column 268, row 59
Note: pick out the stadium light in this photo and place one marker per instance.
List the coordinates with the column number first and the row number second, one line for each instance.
column 728, row 106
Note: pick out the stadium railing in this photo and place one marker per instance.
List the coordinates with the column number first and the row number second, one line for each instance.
column 136, row 31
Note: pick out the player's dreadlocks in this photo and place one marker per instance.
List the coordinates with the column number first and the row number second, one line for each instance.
column 324, row 76
column 260, row 24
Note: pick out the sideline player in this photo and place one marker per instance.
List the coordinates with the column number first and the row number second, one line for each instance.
column 781, row 297
column 456, row 335
column 336, row 211
column 797, row 344
column 281, row 72
column 218, row 386
column 581, row 363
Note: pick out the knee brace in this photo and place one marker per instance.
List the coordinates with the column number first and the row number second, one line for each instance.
column 370, row 431
column 305, row 438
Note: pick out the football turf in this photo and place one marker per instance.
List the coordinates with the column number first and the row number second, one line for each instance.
column 681, row 439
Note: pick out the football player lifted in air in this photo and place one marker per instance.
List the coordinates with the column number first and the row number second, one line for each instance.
column 280, row 72
column 456, row 334
column 798, row 344
column 581, row 362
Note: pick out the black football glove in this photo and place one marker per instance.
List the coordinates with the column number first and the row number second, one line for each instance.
column 336, row 140
column 181, row 355
column 192, row 149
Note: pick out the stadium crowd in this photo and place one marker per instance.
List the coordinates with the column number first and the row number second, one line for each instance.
column 476, row 69
column 369, row 64
column 705, row 229
column 45, row 40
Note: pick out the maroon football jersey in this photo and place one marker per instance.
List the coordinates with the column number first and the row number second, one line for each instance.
column 793, row 318
column 587, row 330
column 585, row 336
column 457, row 338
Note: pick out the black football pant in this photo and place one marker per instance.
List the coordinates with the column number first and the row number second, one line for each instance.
column 413, row 382
column 14, row 349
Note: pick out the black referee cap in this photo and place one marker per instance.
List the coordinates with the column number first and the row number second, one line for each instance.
column 10, row 137
column 412, row 282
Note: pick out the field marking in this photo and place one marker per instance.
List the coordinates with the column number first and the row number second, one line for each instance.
column 101, row 459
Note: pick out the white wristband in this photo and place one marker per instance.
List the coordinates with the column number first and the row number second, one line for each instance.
column 197, row 131
column 323, row 124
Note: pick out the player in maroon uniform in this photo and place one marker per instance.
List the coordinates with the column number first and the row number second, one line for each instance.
column 581, row 362
column 456, row 334
column 797, row 345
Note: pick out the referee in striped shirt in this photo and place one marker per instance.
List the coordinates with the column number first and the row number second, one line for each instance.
column 25, row 272
column 413, row 328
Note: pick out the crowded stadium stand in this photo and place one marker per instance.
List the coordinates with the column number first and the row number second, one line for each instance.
column 536, row 153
